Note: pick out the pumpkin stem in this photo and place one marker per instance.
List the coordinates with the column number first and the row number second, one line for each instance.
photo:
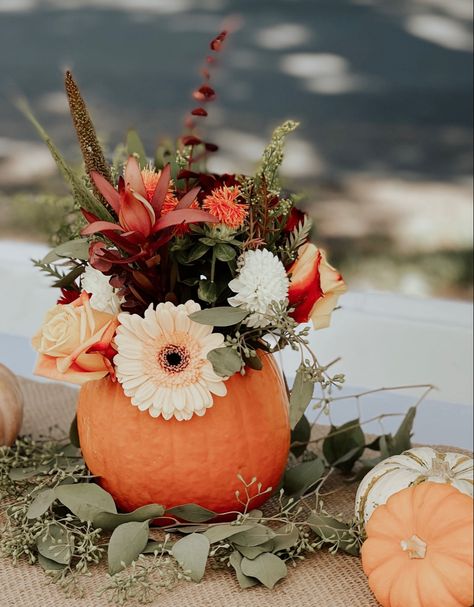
column 415, row 547
column 440, row 468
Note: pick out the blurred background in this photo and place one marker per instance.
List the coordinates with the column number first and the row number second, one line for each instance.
column 382, row 88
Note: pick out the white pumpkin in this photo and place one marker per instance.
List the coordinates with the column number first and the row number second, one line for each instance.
column 11, row 406
column 411, row 468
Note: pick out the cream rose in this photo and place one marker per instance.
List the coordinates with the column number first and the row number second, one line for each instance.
column 74, row 343
column 315, row 287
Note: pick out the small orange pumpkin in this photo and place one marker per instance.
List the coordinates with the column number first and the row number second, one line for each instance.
column 419, row 548
column 141, row 459
column 11, row 406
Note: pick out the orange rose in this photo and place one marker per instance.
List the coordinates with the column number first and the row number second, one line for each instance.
column 74, row 343
column 315, row 287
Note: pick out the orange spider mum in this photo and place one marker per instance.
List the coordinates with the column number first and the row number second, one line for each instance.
column 150, row 181
column 222, row 203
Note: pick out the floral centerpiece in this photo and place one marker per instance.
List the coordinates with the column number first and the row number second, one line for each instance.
column 182, row 285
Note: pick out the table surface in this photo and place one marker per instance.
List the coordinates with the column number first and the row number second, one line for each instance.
column 383, row 340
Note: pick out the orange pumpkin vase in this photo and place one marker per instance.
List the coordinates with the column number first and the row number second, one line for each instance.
column 141, row 460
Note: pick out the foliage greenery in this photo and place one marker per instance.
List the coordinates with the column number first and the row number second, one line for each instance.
column 54, row 514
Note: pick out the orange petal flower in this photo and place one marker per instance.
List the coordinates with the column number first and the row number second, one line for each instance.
column 222, row 203
column 315, row 287
column 151, row 179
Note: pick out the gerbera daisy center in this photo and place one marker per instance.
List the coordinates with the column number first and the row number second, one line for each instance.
column 173, row 358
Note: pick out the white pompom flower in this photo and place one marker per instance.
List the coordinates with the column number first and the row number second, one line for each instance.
column 162, row 363
column 262, row 280
column 103, row 296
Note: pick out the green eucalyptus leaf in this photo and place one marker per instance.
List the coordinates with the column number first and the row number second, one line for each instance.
column 257, row 535
column 251, row 552
column 191, row 552
column 300, row 397
column 301, row 478
column 285, row 538
column 135, row 147
column 333, row 531
column 220, row 316
column 245, row 581
column 266, row 568
column 224, row 252
column 344, row 445
column 110, row 520
column 225, row 361
column 75, row 249
column 153, row 546
column 207, row 291
column 125, row 544
column 223, row 531
column 22, row 474
column 41, row 503
column 254, row 362
column 74, row 433
column 191, row 513
column 85, row 500
column 301, row 433
column 48, row 564
column 402, row 438
column 56, row 545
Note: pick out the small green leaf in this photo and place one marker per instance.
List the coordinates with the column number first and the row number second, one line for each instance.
column 224, row 252
column 285, row 538
column 192, row 552
column 402, row 438
column 344, row 445
column 245, row 581
column 225, row 361
column 209, row 242
column 74, row 433
column 300, row 397
column 257, row 535
column 126, row 543
column 221, row 316
column 207, row 291
column 135, row 147
column 75, row 249
column 254, row 363
column 267, row 568
column 219, row 532
column 48, row 564
column 56, row 544
column 191, row 513
column 333, row 531
column 22, row 474
column 251, row 552
column 66, row 281
column 110, row 520
column 301, row 433
column 301, row 478
column 197, row 252
column 41, row 503
column 85, row 500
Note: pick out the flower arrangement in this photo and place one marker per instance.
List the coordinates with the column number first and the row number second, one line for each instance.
column 179, row 275
column 177, row 286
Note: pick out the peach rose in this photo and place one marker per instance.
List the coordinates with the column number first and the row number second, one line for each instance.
column 315, row 287
column 74, row 343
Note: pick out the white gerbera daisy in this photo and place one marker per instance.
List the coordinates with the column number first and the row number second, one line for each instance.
column 262, row 280
column 103, row 296
column 162, row 362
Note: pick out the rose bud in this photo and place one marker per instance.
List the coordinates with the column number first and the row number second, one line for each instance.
column 315, row 287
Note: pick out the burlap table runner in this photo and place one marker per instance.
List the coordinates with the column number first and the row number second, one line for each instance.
column 322, row 580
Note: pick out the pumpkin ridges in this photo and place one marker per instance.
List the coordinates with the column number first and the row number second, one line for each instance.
column 459, row 577
column 408, row 593
column 437, row 518
column 382, row 578
column 128, row 448
column 432, row 584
